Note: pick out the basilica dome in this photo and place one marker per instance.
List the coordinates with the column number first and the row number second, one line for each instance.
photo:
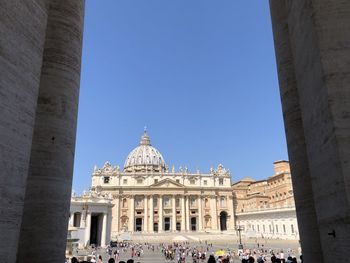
column 144, row 158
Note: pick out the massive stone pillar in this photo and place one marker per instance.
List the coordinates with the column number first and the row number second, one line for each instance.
column 48, row 191
column 313, row 60
column 22, row 26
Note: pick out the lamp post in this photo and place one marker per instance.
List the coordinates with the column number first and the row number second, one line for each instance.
column 240, row 228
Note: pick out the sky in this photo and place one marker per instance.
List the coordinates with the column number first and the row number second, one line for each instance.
column 201, row 76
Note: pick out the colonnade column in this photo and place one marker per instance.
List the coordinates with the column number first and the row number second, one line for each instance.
column 183, row 214
column 173, row 228
column 160, row 214
column 132, row 214
column 145, row 206
column 43, row 231
column 214, row 213
column 151, row 213
column 104, row 230
column 187, row 213
column 87, row 228
column 200, row 219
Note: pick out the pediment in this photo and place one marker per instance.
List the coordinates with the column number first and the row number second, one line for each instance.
column 167, row 183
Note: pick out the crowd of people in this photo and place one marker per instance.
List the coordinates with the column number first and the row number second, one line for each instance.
column 187, row 253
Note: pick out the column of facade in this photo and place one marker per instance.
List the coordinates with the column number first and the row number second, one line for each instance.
column 187, row 212
column 183, row 213
column 87, row 228
column 231, row 225
column 173, row 220
column 151, row 214
column 145, row 219
column 104, row 230
column 117, row 215
column 132, row 214
column 160, row 214
column 214, row 213
column 200, row 217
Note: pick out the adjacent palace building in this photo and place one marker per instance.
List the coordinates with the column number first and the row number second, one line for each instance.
column 146, row 196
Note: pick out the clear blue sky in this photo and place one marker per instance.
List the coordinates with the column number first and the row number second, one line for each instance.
column 200, row 74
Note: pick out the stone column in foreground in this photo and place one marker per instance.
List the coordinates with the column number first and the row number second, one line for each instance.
column 313, row 60
column 23, row 27
column 48, row 192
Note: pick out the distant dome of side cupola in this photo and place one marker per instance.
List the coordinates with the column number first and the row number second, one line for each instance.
column 144, row 158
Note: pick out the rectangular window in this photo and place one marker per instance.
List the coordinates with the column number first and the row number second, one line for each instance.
column 221, row 181
column 155, row 181
column 276, row 228
column 125, row 181
column 155, row 202
column 106, row 179
column 205, row 182
column 292, row 228
column 139, row 181
column 258, row 228
column 192, row 182
column 284, row 229
column 177, row 180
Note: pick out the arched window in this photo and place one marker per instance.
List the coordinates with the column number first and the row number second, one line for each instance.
column 124, row 203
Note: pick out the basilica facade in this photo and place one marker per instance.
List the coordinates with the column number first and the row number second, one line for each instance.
column 145, row 196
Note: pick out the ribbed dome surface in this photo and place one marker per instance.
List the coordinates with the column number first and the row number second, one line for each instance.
column 144, row 156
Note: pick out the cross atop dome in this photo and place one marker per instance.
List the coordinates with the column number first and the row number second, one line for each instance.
column 145, row 138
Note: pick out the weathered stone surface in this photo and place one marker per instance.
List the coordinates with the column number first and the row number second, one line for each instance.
column 46, row 206
column 22, row 31
column 314, row 74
